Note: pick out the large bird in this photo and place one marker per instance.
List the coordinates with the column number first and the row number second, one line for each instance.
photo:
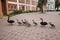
column 10, row 21
column 19, row 22
column 43, row 23
column 34, row 23
column 52, row 25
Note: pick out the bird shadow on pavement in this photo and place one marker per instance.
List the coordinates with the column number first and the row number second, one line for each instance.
column 42, row 26
column 52, row 27
column 10, row 25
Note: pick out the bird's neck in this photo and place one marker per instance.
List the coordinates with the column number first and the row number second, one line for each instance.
column 8, row 18
column 42, row 20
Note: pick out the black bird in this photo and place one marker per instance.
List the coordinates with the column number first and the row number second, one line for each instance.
column 19, row 22
column 43, row 23
column 52, row 25
column 34, row 23
column 10, row 21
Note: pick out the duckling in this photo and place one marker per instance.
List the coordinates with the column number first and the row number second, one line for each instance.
column 24, row 22
column 19, row 22
column 52, row 25
column 34, row 23
column 28, row 24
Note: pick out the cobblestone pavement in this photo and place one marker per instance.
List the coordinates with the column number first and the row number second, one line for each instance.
column 16, row 32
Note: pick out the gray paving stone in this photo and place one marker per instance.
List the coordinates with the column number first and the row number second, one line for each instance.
column 16, row 32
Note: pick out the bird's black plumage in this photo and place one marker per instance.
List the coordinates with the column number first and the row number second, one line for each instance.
column 43, row 23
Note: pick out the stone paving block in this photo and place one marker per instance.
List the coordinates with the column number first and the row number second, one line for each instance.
column 16, row 32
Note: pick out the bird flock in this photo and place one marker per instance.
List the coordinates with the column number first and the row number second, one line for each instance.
column 25, row 22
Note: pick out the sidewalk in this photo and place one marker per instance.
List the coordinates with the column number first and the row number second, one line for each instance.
column 16, row 32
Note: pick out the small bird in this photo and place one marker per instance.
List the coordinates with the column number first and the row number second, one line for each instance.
column 10, row 21
column 34, row 23
column 28, row 24
column 52, row 25
column 43, row 23
column 19, row 22
column 24, row 22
